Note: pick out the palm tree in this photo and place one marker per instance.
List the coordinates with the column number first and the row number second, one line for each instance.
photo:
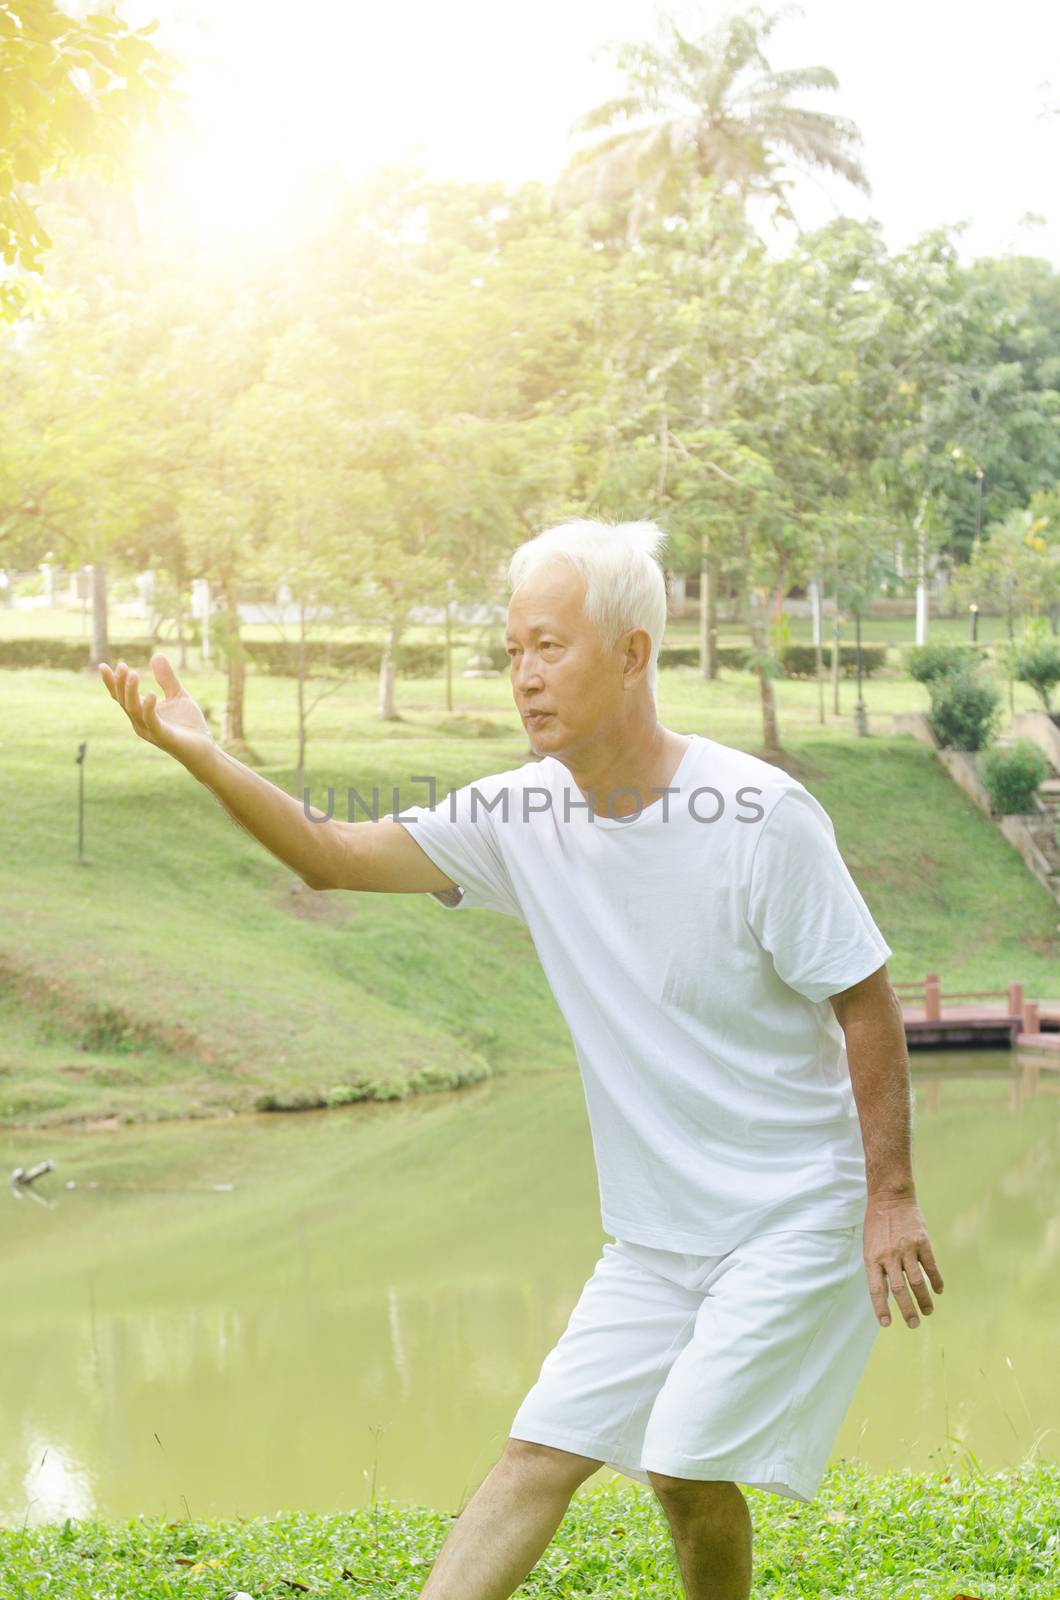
column 710, row 107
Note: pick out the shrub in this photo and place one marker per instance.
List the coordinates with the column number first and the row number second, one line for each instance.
column 1035, row 659
column 348, row 657
column 800, row 660
column 1012, row 776
column 687, row 655
column 964, row 710
column 926, row 662
column 797, row 660
column 67, row 655
column 277, row 656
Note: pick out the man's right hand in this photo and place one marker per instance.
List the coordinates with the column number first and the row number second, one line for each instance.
column 175, row 725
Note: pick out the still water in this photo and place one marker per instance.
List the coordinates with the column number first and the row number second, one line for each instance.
column 368, row 1302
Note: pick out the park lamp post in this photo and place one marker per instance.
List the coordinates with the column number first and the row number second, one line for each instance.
column 80, row 759
column 973, row 612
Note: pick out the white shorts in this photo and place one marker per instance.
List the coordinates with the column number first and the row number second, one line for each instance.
column 738, row 1367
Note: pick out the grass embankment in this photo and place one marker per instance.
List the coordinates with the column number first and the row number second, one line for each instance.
column 178, row 973
column 900, row 1536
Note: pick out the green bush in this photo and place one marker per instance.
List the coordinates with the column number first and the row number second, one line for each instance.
column 68, row 655
column 926, row 662
column 964, row 710
column 275, row 656
column 800, row 660
column 687, row 655
column 1012, row 776
column 1035, row 659
column 350, row 658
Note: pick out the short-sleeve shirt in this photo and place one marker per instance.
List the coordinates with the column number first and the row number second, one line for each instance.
column 691, row 948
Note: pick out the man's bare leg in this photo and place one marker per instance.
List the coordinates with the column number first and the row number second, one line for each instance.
column 507, row 1523
column 711, row 1529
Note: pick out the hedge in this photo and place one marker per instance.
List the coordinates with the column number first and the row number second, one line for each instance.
column 279, row 657
column 273, row 656
column 800, row 660
column 65, row 655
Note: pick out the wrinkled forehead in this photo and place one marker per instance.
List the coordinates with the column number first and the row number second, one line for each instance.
column 552, row 595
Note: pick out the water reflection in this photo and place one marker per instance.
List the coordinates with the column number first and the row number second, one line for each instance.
column 1025, row 1077
column 376, row 1291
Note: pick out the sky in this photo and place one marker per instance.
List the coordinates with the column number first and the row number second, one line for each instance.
column 952, row 97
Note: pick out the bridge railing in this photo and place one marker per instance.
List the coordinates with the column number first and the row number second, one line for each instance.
column 930, row 994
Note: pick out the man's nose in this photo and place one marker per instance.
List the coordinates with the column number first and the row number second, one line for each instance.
column 527, row 672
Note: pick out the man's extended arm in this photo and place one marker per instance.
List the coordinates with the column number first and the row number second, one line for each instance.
column 896, row 1243
column 330, row 854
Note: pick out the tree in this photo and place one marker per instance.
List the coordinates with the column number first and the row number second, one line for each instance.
column 298, row 446
column 75, row 94
column 1035, row 659
column 707, row 108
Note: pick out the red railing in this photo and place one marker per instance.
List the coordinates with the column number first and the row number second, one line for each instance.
column 930, row 992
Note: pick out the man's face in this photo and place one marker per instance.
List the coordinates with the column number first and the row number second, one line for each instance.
column 565, row 685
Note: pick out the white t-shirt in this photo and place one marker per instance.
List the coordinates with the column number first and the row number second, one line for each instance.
column 691, row 949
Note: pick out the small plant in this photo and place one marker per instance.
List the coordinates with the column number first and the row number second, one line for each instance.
column 1012, row 776
column 1035, row 659
column 927, row 662
column 964, row 710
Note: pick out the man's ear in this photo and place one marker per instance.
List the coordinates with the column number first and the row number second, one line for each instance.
column 636, row 645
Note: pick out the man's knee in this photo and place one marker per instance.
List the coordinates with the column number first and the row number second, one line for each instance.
column 548, row 1467
column 694, row 1496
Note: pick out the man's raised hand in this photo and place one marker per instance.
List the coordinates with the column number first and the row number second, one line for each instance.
column 174, row 724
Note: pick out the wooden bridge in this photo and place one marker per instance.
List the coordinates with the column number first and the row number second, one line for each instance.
column 977, row 1017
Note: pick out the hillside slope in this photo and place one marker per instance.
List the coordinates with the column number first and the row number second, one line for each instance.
column 179, row 974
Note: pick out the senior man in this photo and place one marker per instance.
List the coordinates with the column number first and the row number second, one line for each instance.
column 741, row 1049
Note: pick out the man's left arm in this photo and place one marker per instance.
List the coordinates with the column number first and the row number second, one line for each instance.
column 896, row 1243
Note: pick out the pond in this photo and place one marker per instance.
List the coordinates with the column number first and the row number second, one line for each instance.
column 220, row 1319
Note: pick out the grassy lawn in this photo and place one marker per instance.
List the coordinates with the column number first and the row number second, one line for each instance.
column 179, row 973
column 898, row 1536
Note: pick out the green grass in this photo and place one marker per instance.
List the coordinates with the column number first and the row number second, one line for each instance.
column 899, row 1536
column 178, row 973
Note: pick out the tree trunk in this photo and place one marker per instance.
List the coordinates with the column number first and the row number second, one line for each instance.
column 767, row 696
column 708, row 611
column 835, row 658
column 818, row 652
column 236, row 685
column 182, row 643
column 99, row 648
column 388, row 711
column 300, row 769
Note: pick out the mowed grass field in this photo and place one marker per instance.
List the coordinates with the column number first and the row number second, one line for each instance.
column 182, row 971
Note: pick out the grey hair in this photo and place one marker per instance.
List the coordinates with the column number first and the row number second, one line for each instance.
column 625, row 586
